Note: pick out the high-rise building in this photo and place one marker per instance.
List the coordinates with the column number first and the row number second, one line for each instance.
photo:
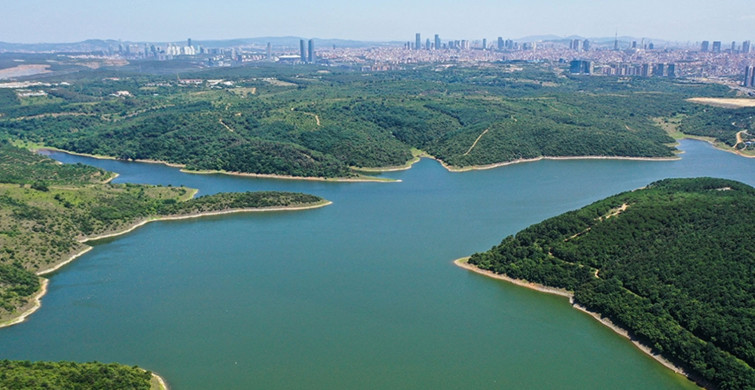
column 312, row 57
column 716, row 46
column 417, row 42
column 634, row 44
column 671, row 71
column 575, row 44
column 705, row 46
column 188, row 42
column 427, row 44
column 302, row 51
column 658, row 70
column 269, row 52
column 651, row 46
column 586, row 45
column 646, row 70
column 484, row 44
column 749, row 76
column 733, row 46
column 746, row 47
column 500, row 43
column 437, row 42
column 580, row 67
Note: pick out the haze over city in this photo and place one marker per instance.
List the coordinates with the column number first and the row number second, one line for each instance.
column 140, row 20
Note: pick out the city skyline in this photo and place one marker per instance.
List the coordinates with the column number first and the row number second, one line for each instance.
column 36, row 21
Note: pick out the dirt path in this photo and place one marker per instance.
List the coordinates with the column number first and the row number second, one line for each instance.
column 476, row 141
column 739, row 138
column 224, row 125
column 317, row 118
column 611, row 213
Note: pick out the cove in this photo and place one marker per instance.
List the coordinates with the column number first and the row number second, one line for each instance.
column 359, row 294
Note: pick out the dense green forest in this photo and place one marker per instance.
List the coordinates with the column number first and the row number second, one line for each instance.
column 18, row 375
column 321, row 123
column 46, row 209
column 673, row 263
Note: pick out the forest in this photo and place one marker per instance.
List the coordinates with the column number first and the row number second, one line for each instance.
column 69, row 375
column 47, row 209
column 672, row 263
column 324, row 123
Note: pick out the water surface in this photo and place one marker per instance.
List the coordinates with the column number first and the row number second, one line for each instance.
column 359, row 294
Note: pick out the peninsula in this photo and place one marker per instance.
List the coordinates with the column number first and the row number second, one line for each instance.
column 669, row 263
column 50, row 210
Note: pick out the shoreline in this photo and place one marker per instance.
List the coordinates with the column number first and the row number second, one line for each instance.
column 41, row 293
column 452, row 168
column 462, row 263
column 361, row 179
column 160, row 381
column 36, row 298
column 417, row 157
column 182, row 167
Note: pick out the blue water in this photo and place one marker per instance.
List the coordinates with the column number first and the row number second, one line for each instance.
column 359, row 294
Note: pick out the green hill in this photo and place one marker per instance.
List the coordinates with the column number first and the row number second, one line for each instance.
column 307, row 122
column 672, row 263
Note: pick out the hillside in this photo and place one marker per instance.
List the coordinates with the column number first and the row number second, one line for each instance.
column 70, row 375
column 321, row 123
column 672, row 263
column 47, row 210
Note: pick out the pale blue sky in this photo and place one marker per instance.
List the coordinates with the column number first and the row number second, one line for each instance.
column 30, row 21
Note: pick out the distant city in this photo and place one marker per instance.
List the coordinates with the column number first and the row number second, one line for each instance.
column 715, row 60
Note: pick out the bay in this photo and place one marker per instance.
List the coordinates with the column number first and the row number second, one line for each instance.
column 359, row 294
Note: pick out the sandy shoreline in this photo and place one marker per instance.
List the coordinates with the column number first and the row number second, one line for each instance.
column 182, row 167
column 38, row 296
column 362, row 179
column 37, row 299
column 160, row 381
column 452, row 168
column 404, row 167
column 462, row 262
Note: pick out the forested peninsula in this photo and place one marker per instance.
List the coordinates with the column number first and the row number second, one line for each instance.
column 672, row 263
column 49, row 210
column 309, row 122
column 69, row 375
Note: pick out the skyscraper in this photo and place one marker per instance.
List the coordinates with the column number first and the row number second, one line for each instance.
column 269, row 52
column 302, row 51
column 749, row 75
column 746, row 47
column 417, row 42
column 704, row 47
column 312, row 56
column 733, row 46
column 586, row 45
column 437, row 42
column 427, row 44
column 188, row 42
column 500, row 43
column 671, row 71
column 716, row 46
column 575, row 44
column 484, row 43
column 658, row 70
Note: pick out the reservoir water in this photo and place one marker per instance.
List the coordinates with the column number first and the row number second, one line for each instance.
column 361, row 294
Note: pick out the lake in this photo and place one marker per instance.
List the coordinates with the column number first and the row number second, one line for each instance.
column 361, row 294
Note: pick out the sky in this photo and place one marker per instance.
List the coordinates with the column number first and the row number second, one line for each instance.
column 35, row 21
